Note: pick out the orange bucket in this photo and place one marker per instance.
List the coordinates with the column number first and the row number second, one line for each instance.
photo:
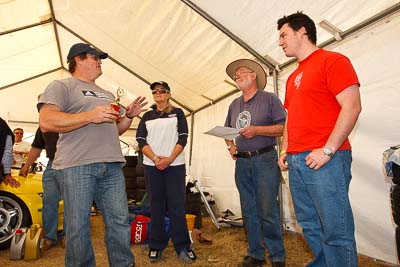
column 190, row 218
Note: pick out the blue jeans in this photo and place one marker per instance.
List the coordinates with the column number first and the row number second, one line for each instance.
column 51, row 197
column 323, row 210
column 103, row 183
column 257, row 179
column 168, row 193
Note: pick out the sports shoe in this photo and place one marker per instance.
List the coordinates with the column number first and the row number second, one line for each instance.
column 187, row 256
column 154, row 255
column 251, row 262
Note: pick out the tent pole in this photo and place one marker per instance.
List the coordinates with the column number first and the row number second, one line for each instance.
column 53, row 17
column 267, row 62
column 31, row 78
column 120, row 64
column 191, row 139
column 349, row 32
column 26, row 27
column 279, row 143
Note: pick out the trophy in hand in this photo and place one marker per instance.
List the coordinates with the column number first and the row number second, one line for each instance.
column 116, row 105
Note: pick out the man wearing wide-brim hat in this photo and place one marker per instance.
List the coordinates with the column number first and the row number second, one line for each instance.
column 260, row 118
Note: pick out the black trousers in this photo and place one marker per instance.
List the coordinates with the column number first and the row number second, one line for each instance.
column 168, row 197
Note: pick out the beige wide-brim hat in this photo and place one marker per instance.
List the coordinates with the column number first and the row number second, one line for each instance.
column 250, row 64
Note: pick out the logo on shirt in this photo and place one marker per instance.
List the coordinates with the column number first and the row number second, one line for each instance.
column 297, row 80
column 95, row 94
column 243, row 120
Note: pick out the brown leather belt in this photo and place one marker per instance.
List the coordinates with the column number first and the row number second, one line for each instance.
column 249, row 154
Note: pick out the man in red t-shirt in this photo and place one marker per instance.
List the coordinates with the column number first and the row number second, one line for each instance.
column 323, row 104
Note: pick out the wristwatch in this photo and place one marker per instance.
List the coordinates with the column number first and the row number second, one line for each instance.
column 229, row 147
column 327, row 151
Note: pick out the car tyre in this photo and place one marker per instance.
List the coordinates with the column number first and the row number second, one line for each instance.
column 13, row 215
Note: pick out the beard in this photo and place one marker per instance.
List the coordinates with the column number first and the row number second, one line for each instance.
column 244, row 84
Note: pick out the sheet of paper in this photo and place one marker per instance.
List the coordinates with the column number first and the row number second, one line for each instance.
column 223, row 132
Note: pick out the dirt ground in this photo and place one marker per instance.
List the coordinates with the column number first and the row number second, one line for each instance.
column 228, row 249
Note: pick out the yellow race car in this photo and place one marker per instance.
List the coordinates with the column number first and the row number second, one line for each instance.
column 22, row 206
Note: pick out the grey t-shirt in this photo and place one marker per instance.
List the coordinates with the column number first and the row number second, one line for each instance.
column 262, row 109
column 92, row 142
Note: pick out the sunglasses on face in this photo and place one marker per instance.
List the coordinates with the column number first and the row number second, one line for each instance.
column 159, row 91
column 94, row 57
column 18, row 133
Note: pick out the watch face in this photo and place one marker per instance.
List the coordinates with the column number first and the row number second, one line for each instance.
column 327, row 151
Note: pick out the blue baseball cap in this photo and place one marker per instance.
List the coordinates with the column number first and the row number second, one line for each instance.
column 163, row 84
column 81, row 48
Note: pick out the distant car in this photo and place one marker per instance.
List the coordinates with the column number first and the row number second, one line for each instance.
column 22, row 206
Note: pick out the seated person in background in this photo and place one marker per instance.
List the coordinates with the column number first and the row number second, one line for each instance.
column 6, row 157
column 20, row 149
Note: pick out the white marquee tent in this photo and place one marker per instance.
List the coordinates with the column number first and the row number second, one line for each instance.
column 188, row 43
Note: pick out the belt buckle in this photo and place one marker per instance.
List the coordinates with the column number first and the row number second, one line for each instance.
column 248, row 153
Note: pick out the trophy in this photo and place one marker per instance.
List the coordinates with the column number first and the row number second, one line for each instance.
column 116, row 104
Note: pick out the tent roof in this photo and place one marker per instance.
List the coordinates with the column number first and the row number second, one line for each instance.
column 186, row 43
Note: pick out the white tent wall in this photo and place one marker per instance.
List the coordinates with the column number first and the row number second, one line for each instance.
column 377, row 130
column 18, row 103
column 255, row 21
column 375, row 58
column 211, row 163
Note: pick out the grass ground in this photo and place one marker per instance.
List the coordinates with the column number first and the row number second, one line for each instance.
column 228, row 248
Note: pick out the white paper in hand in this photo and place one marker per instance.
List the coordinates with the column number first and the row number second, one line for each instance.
column 223, row 132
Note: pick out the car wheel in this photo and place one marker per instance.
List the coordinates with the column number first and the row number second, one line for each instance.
column 13, row 215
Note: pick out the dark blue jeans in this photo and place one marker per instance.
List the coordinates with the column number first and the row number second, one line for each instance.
column 168, row 194
column 257, row 179
column 323, row 210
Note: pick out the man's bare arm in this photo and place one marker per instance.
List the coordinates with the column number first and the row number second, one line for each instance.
column 350, row 102
column 51, row 119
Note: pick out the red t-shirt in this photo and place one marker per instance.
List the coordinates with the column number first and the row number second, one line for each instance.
column 311, row 99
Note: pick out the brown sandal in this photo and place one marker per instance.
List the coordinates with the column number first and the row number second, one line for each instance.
column 202, row 238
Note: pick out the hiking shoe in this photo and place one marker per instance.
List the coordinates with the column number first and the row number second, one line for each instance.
column 251, row 262
column 154, row 255
column 187, row 256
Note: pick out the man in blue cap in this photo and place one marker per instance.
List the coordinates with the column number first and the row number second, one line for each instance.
column 88, row 157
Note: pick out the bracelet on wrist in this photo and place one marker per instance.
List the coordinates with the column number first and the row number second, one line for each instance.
column 129, row 117
column 155, row 158
column 282, row 152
